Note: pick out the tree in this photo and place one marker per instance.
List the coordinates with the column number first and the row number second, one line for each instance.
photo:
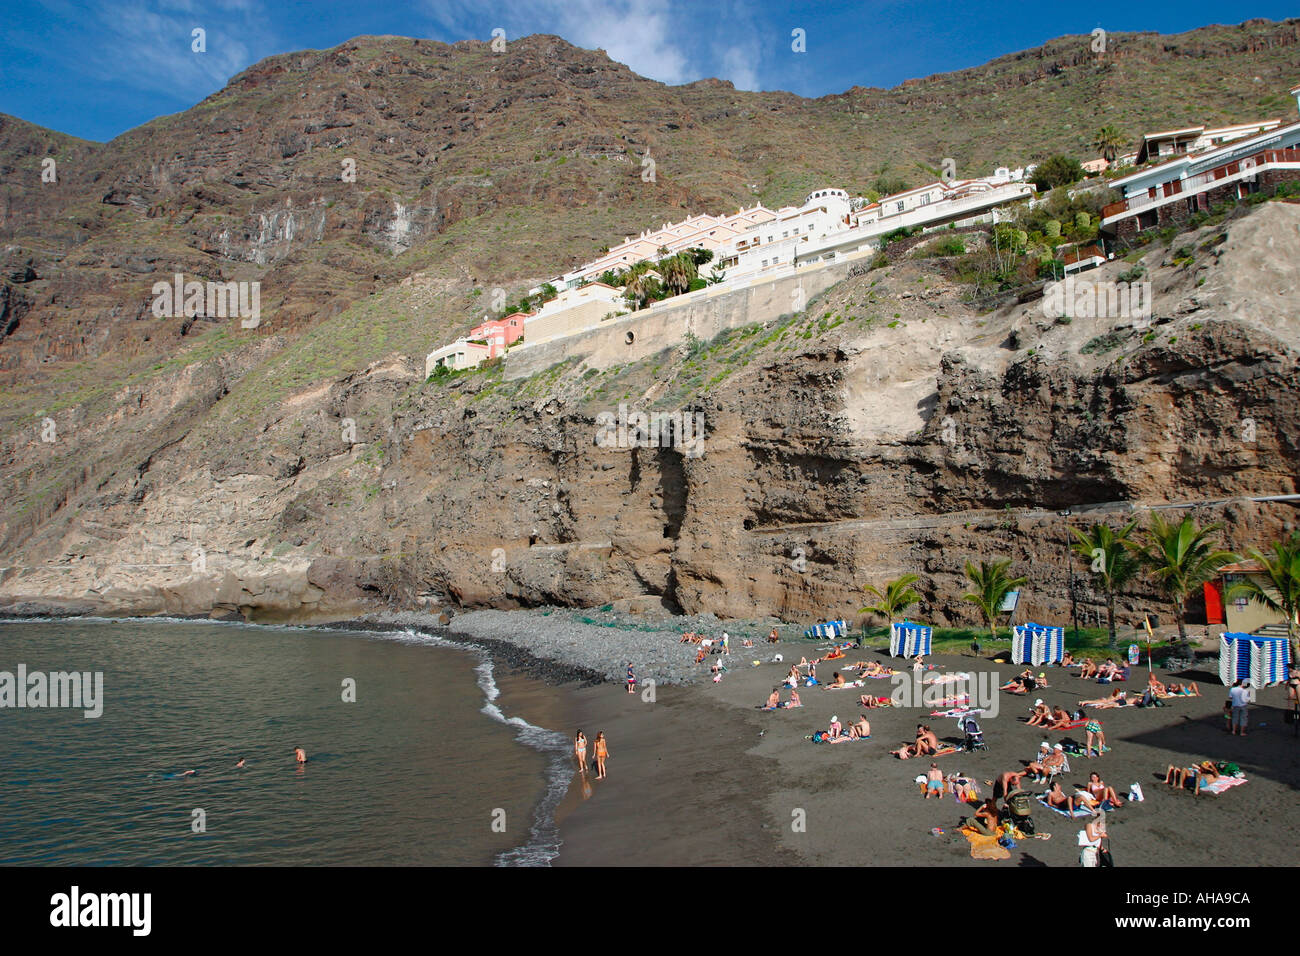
column 1112, row 559
column 894, row 601
column 678, row 272
column 1180, row 558
column 700, row 256
column 548, row 292
column 1109, row 141
column 640, row 288
column 990, row 586
column 716, row 275
column 1280, row 589
column 1057, row 171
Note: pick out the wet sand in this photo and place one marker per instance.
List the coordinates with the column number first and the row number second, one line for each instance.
column 692, row 782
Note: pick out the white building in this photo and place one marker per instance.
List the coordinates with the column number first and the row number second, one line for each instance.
column 1196, row 139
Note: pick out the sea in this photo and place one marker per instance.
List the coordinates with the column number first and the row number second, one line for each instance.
column 410, row 757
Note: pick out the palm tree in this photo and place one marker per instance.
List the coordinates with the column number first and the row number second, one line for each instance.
column 1180, row 558
column 678, row 272
column 894, row 601
column 990, row 587
column 1109, row 141
column 1280, row 590
column 1111, row 559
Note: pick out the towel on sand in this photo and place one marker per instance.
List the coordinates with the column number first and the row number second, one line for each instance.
column 984, row 847
column 1221, row 784
column 1076, row 813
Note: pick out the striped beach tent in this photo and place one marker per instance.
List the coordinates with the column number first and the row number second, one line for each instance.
column 1037, row 644
column 908, row 639
column 1258, row 658
column 828, row 631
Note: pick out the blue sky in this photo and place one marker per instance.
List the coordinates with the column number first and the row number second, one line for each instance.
column 96, row 68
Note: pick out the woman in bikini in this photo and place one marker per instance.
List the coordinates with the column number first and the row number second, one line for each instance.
column 580, row 751
column 602, row 754
column 1203, row 774
column 1117, row 698
column 1100, row 792
column 794, row 700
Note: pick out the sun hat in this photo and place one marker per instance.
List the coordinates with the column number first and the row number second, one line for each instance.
column 1060, row 747
column 834, row 718
column 1045, row 744
column 1038, row 702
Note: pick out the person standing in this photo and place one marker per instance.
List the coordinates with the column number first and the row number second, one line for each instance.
column 631, row 679
column 1094, row 732
column 1239, row 697
column 580, row 751
column 602, row 754
column 1090, row 838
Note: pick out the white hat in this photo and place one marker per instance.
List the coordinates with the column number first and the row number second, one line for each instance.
column 834, row 718
column 1038, row 703
column 1059, row 747
column 1045, row 745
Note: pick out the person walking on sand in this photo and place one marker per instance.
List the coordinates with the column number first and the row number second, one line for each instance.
column 580, row 750
column 631, row 679
column 1239, row 697
column 602, row 754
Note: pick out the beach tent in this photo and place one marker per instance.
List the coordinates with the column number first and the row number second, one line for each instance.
column 1037, row 644
column 1257, row 658
column 828, row 631
column 908, row 639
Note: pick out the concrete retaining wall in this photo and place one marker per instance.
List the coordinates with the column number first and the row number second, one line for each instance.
column 705, row 313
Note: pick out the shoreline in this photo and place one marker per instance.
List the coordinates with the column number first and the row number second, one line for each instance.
column 698, row 775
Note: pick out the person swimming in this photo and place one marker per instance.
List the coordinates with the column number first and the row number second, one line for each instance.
column 300, row 755
column 240, row 765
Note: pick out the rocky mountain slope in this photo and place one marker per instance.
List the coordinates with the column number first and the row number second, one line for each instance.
column 304, row 470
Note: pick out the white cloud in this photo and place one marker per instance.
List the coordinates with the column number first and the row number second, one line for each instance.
column 665, row 40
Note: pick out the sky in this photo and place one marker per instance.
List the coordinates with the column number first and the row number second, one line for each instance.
column 96, row 68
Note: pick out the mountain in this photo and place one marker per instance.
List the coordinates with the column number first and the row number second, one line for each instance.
column 477, row 170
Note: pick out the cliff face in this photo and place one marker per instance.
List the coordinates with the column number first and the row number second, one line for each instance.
column 303, row 469
column 873, row 447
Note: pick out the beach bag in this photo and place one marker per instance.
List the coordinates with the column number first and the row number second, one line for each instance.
column 1135, row 793
column 1103, row 858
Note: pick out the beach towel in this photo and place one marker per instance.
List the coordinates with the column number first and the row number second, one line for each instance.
column 958, row 712
column 1072, row 725
column 984, row 847
column 1221, row 784
column 1076, row 813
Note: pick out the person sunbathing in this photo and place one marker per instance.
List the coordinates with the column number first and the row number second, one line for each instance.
column 1088, row 669
column 1203, row 774
column 701, row 655
column 837, row 680
column 1035, row 767
column 860, row 729
column 1040, row 715
column 834, row 655
column 926, row 741
column 1022, row 683
column 774, row 699
column 794, row 700
column 1101, row 792
column 1117, row 698
column 1060, row 718
column 836, row 728
column 985, row 819
column 1058, row 799
column 1049, row 765
column 963, row 788
column 1173, row 689
column 1041, row 680
column 1108, row 671
column 1067, row 660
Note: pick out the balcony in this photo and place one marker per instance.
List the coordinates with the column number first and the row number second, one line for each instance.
column 1201, row 181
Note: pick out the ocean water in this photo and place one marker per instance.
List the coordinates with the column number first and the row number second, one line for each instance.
column 422, row 769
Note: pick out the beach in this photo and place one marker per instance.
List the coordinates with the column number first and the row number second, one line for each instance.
column 700, row 776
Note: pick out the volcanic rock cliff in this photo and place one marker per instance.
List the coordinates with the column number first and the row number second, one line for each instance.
column 304, row 470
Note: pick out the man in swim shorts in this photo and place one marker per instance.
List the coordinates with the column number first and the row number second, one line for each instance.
column 933, row 781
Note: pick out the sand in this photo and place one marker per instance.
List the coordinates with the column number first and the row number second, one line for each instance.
column 701, row 777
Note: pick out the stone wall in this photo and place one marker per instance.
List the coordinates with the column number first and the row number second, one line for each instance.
column 704, row 313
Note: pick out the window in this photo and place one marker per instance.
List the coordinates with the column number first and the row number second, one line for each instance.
column 925, row 200
column 796, row 230
column 786, row 234
column 900, row 205
column 764, row 263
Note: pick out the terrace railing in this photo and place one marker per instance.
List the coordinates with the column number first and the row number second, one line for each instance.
column 1201, row 181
